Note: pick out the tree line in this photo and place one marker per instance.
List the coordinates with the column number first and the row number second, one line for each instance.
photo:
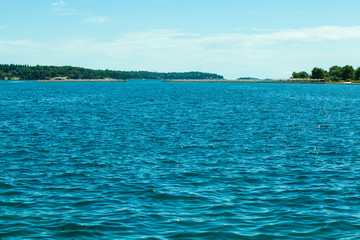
column 26, row 72
column 335, row 74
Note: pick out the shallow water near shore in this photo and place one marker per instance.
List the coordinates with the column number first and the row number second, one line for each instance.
column 153, row 160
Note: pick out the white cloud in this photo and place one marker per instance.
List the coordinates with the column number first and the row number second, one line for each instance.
column 3, row 27
column 311, row 34
column 13, row 44
column 60, row 8
column 258, row 54
column 97, row 19
column 59, row 3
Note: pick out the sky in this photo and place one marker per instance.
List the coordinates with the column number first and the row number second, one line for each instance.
column 234, row 38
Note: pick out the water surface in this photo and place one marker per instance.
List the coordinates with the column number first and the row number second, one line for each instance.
column 152, row 160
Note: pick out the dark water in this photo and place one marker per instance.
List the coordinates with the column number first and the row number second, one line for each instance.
column 152, row 160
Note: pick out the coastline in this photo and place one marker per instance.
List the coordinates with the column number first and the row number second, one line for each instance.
column 83, row 80
column 230, row 81
column 259, row 81
column 227, row 81
column 200, row 80
column 193, row 81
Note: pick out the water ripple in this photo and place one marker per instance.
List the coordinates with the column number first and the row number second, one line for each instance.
column 151, row 160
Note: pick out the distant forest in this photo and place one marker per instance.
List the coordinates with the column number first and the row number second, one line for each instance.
column 26, row 72
column 335, row 74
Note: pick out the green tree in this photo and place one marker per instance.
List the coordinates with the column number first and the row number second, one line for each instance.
column 2, row 75
column 335, row 73
column 326, row 75
column 301, row 74
column 317, row 73
column 347, row 72
column 26, row 72
column 356, row 75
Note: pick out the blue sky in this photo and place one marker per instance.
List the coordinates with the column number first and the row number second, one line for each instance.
column 235, row 38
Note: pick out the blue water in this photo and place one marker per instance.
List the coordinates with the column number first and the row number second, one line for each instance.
column 153, row 160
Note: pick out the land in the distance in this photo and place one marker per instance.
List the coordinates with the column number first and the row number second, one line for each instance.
column 68, row 73
column 82, row 80
column 336, row 74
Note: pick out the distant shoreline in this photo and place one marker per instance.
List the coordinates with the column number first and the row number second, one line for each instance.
column 84, row 80
column 26, row 72
column 259, row 81
column 191, row 81
column 201, row 80
column 226, row 81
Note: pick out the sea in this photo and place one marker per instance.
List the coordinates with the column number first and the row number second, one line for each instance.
column 154, row 160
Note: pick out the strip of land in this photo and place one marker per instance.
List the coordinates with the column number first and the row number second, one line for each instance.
column 200, row 80
column 233, row 81
column 312, row 81
column 84, row 80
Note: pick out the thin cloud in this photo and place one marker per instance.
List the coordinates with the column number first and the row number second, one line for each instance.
column 17, row 46
column 269, row 37
column 179, row 49
column 97, row 19
column 60, row 3
column 312, row 34
column 61, row 8
column 174, row 50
